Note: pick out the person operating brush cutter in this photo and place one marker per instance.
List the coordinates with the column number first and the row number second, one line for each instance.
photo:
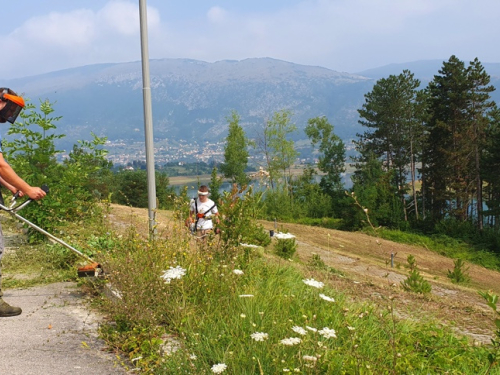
column 10, row 106
column 202, row 212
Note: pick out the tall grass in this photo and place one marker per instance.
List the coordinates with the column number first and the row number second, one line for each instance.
column 239, row 313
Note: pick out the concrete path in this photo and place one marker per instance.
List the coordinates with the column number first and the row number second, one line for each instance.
column 55, row 334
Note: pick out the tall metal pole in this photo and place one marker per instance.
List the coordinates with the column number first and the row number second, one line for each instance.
column 148, row 119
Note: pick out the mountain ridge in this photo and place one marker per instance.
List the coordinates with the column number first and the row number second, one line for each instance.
column 424, row 70
column 192, row 99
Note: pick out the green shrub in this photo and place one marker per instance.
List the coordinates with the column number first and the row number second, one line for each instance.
column 415, row 282
column 459, row 273
column 281, row 204
column 257, row 235
column 73, row 184
column 238, row 211
column 285, row 248
column 317, row 262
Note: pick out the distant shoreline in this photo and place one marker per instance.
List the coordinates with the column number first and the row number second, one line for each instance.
column 204, row 179
column 185, row 180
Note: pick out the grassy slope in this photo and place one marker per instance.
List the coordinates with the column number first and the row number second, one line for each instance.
column 365, row 263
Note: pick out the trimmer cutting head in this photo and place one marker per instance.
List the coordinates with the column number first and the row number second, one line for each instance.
column 90, row 270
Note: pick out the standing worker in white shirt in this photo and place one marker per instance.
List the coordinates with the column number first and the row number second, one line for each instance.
column 202, row 212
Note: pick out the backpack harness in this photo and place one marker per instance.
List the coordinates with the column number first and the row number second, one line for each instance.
column 200, row 215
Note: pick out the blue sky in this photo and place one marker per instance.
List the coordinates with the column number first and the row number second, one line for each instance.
column 343, row 35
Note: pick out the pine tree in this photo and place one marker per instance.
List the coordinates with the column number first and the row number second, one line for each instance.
column 490, row 165
column 460, row 111
column 481, row 107
column 446, row 169
column 393, row 113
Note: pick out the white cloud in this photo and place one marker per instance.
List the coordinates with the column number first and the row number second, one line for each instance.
column 346, row 35
column 216, row 14
column 119, row 17
column 64, row 30
column 78, row 37
column 123, row 17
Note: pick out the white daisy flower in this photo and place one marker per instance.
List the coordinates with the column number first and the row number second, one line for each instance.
column 219, row 368
column 248, row 245
column 326, row 298
column 327, row 333
column 309, row 358
column 312, row 329
column 299, row 330
column 259, row 336
column 238, row 272
column 291, row 341
column 314, row 283
column 173, row 273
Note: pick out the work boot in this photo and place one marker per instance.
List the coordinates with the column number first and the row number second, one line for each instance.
column 8, row 310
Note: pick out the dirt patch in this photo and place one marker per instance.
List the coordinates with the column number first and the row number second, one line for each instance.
column 365, row 272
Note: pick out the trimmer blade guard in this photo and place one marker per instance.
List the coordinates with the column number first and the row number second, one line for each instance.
column 90, row 270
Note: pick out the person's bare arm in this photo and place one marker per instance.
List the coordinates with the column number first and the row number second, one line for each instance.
column 11, row 177
column 9, row 186
column 190, row 218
